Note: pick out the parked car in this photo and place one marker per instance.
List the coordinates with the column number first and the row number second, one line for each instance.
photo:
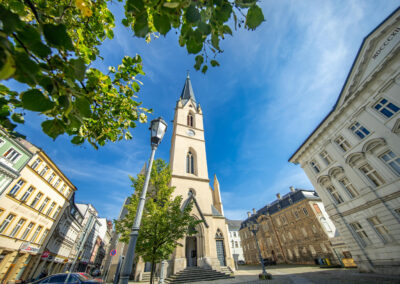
column 76, row 278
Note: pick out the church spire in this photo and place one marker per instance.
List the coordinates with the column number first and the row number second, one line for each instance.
column 187, row 92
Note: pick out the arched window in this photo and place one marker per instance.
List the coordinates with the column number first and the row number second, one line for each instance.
column 190, row 120
column 190, row 163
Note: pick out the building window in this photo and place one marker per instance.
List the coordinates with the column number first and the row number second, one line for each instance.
column 305, row 211
column 335, row 194
column 236, row 244
column 27, row 194
column 303, row 230
column 379, row 228
column 6, row 222
column 43, row 237
column 56, row 213
column 386, row 108
column 359, row 130
column 17, row 227
column 325, row 224
column 50, row 208
column 62, row 188
column 326, row 158
column 190, row 163
column 283, row 238
column 44, row 171
column 314, row 229
column 36, row 163
column 362, row 235
column 342, row 143
column 12, row 155
column 16, row 187
column 372, row 175
column 51, row 177
column 312, row 250
column 323, row 247
column 43, row 204
column 190, row 120
column 296, row 214
column 36, row 200
column 38, row 229
column 67, row 193
column 348, row 186
column 392, row 161
column 27, row 230
column 290, row 236
column 315, row 166
column 317, row 209
column 57, row 183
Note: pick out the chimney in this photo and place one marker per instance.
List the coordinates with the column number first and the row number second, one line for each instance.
column 248, row 214
column 292, row 189
column 278, row 195
column 254, row 211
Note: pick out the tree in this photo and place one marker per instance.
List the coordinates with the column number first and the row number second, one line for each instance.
column 164, row 221
column 48, row 46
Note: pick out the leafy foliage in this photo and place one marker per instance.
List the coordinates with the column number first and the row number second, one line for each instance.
column 49, row 46
column 164, row 223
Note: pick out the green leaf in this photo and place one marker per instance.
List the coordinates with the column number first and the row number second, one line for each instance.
column 8, row 68
column 34, row 100
column 83, row 106
column 134, row 6
column 162, row 24
column 56, row 35
column 53, row 128
column 77, row 140
column 204, row 69
column 135, row 86
column 171, row 5
column 254, row 17
column 26, row 69
column 192, row 14
column 199, row 60
column 30, row 36
column 193, row 46
column 10, row 21
column 204, row 28
column 18, row 117
column 245, row 3
column 141, row 27
column 215, row 41
column 227, row 30
column 224, row 13
column 79, row 67
column 214, row 63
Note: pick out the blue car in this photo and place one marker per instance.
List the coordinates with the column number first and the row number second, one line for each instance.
column 76, row 278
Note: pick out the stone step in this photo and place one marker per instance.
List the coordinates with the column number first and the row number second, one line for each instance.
column 194, row 274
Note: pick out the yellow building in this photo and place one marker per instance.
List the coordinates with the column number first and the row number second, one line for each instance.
column 30, row 208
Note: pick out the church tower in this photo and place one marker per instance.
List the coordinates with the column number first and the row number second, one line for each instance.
column 209, row 247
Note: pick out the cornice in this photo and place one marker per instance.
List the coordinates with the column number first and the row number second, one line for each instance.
column 191, row 178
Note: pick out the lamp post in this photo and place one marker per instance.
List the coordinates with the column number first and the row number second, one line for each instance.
column 254, row 227
column 158, row 127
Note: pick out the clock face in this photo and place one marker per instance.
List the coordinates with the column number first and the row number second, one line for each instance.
column 190, row 132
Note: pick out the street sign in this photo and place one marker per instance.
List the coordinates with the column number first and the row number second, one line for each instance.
column 113, row 252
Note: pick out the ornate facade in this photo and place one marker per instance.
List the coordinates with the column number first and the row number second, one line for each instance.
column 353, row 157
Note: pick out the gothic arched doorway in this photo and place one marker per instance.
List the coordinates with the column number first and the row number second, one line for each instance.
column 191, row 251
column 219, row 239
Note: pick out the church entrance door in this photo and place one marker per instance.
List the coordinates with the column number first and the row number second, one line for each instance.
column 191, row 251
column 221, row 252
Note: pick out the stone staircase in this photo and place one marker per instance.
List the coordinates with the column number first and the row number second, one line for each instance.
column 195, row 274
column 146, row 277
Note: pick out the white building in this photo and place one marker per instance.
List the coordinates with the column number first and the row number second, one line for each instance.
column 353, row 157
column 234, row 239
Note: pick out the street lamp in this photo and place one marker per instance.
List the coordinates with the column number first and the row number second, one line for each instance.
column 254, row 227
column 158, row 127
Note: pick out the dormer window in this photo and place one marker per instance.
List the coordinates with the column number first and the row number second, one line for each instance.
column 190, row 120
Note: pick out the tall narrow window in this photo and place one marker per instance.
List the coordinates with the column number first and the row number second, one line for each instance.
column 335, row 194
column 17, row 227
column 315, row 166
column 386, row 108
column 372, row 175
column 305, row 211
column 190, row 120
column 36, row 163
column 51, row 177
column 392, row 160
column 12, row 155
column 44, row 171
column 190, row 163
column 27, row 231
column 342, row 143
column 326, row 158
column 56, row 213
column 358, row 229
column 6, row 222
column 379, row 228
column 43, row 237
column 36, row 200
column 62, row 188
column 16, row 187
column 44, row 204
column 38, row 229
column 347, row 185
column 50, row 208
column 359, row 130
column 57, row 183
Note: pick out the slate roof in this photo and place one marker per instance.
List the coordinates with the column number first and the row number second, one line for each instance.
column 187, row 92
column 234, row 224
column 279, row 204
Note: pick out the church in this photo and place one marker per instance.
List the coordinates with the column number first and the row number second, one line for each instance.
column 209, row 248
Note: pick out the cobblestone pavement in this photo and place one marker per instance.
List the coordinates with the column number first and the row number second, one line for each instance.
column 306, row 275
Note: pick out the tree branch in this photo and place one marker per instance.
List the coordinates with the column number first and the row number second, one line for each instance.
column 34, row 11
column 25, row 48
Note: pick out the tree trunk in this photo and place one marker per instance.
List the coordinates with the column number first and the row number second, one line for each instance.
column 152, row 271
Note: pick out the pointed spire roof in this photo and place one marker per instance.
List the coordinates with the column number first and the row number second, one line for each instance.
column 187, row 92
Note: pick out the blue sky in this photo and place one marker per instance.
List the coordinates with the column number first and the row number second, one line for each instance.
column 272, row 89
